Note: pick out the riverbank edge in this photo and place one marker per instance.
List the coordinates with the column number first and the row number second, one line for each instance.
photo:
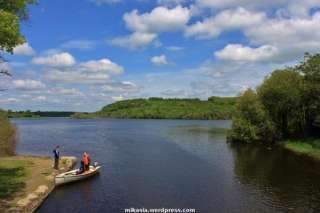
column 306, row 147
column 32, row 201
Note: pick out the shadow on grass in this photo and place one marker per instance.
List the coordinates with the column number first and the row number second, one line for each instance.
column 11, row 181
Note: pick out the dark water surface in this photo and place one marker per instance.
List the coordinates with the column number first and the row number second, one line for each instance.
column 171, row 164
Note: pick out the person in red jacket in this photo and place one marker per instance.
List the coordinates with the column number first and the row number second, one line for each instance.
column 86, row 161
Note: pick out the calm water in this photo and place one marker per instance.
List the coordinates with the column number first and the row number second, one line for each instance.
column 171, row 164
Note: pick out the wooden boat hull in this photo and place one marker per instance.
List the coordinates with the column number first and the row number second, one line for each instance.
column 72, row 176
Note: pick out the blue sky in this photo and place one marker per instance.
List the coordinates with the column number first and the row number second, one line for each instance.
column 83, row 54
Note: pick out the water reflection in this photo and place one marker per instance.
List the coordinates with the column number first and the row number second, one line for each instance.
column 287, row 181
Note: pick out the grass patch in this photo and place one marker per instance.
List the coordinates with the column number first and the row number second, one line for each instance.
column 310, row 147
column 13, row 175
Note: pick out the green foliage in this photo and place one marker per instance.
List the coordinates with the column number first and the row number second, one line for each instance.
column 286, row 105
column 251, row 122
column 160, row 108
column 11, row 12
column 10, row 35
column 310, row 69
column 281, row 94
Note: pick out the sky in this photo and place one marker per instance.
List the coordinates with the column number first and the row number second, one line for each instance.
column 80, row 55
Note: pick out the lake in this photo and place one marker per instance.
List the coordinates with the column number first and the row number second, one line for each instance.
column 171, row 164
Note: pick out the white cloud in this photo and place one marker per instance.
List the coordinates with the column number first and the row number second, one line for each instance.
column 40, row 98
column 238, row 52
column 226, row 20
column 292, row 36
column 135, row 40
column 9, row 100
column 71, row 76
column 89, row 72
column 293, row 7
column 23, row 49
column 125, row 87
column 66, row 91
column 146, row 27
column 28, row 84
column 79, row 44
column 159, row 60
column 103, row 65
column 160, row 19
column 63, row 59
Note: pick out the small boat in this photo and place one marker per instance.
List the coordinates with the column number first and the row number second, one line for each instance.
column 73, row 175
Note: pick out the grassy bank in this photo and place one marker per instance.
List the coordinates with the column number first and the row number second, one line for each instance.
column 21, row 175
column 310, row 147
column 25, row 181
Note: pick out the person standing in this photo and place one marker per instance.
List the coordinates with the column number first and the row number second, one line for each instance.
column 86, row 160
column 56, row 154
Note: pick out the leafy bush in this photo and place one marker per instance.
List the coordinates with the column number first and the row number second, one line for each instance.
column 251, row 122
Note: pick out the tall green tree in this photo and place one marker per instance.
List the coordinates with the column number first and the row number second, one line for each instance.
column 310, row 69
column 11, row 13
column 282, row 93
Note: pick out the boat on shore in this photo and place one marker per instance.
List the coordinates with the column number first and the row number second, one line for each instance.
column 73, row 176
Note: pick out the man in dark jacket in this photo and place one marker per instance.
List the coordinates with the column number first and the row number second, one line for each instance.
column 56, row 154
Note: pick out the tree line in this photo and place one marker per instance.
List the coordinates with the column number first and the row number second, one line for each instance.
column 173, row 108
column 286, row 105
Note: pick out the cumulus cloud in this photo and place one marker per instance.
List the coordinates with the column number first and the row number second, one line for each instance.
column 238, row 52
column 135, row 40
column 159, row 60
column 39, row 98
column 160, row 19
column 72, row 76
column 103, row 65
column 66, row 91
column 292, row 36
column 9, row 100
column 28, row 84
column 124, row 87
column 293, row 7
column 147, row 26
column 89, row 72
column 63, row 59
column 23, row 49
column 226, row 20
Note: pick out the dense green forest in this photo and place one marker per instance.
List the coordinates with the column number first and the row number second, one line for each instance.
column 285, row 106
column 160, row 108
column 37, row 114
